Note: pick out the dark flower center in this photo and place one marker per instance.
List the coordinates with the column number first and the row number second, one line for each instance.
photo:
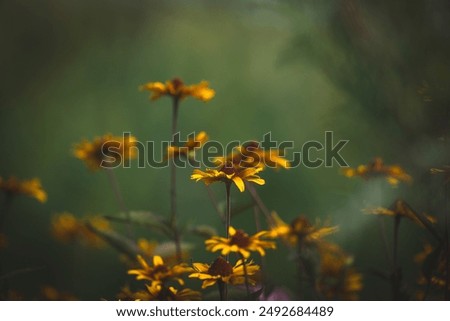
column 240, row 239
column 220, row 267
column 159, row 269
column 301, row 225
column 177, row 83
column 228, row 168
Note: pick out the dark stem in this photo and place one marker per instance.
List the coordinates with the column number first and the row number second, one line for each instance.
column 222, row 289
column 228, row 213
column 447, row 253
column 173, row 185
column 396, row 269
column 118, row 195
column 5, row 209
column 244, row 266
column 382, row 230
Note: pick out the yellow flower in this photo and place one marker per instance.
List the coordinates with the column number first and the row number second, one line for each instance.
column 178, row 90
column 401, row 209
column 228, row 173
column 31, row 188
column 300, row 230
column 157, row 292
column 427, row 250
column 222, row 271
column 394, row 174
column 159, row 272
column 239, row 242
column 52, row 294
column 338, row 279
column 106, row 151
column 191, row 145
column 66, row 227
column 252, row 155
column 147, row 248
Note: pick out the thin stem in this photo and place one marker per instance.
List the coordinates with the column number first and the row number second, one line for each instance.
column 258, row 201
column 222, row 288
column 244, row 266
column 214, row 202
column 118, row 195
column 227, row 228
column 382, row 230
column 228, row 217
column 447, row 253
column 173, row 185
column 396, row 269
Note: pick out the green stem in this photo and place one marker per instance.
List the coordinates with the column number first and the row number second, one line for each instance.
column 118, row 195
column 258, row 201
column 396, row 270
column 173, row 185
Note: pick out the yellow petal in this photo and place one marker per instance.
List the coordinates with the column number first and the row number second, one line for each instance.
column 157, row 260
column 239, row 183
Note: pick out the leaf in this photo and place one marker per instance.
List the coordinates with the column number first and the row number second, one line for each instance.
column 142, row 218
column 117, row 241
column 204, row 231
column 169, row 249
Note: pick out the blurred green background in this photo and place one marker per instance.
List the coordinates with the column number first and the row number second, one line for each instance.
column 373, row 72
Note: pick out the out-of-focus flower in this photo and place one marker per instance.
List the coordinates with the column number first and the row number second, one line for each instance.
column 240, row 242
column 394, row 174
column 300, row 230
column 189, row 148
column 31, row 188
column 222, row 271
column 107, row 151
column 52, row 294
column 228, row 173
column 66, row 228
column 159, row 272
column 338, row 280
column 157, row 292
column 252, row 155
column 401, row 209
column 178, row 90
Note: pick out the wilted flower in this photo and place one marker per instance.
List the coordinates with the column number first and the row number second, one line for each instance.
column 394, row 174
column 300, row 230
column 401, row 209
